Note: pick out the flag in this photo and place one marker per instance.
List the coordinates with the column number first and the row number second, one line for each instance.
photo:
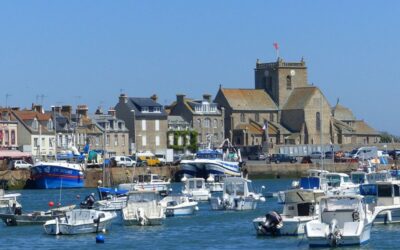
column 276, row 46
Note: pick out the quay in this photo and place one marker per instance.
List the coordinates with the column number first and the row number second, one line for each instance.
column 19, row 179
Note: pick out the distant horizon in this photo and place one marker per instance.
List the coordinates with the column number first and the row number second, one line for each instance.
column 55, row 53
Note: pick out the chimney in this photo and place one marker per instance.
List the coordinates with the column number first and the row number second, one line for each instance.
column 37, row 108
column 82, row 110
column 154, row 97
column 207, row 97
column 15, row 108
column 99, row 111
column 123, row 98
column 112, row 112
column 66, row 110
column 56, row 109
column 180, row 98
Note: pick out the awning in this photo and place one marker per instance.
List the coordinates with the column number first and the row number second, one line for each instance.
column 13, row 154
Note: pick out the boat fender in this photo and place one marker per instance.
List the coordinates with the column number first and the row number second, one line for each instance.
column 356, row 216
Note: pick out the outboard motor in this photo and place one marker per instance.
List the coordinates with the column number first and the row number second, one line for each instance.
column 88, row 202
column 334, row 235
column 273, row 222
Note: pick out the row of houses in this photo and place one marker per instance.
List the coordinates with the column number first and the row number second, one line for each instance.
column 282, row 108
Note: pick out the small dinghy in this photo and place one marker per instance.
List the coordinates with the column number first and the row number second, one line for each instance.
column 80, row 221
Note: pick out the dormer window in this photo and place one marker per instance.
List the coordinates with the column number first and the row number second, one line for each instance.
column 50, row 125
column 35, row 124
column 145, row 109
column 157, row 109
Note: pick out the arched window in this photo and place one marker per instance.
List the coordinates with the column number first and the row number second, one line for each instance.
column 289, row 82
column 199, row 123
column 242, row 118
column 35, row 124
column 215, row 123
column 318, row 121
column 207, row 122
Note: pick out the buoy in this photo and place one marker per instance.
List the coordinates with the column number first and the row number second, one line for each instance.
column 51, row 203
column 99, row 238
column 99, row 182
column 78, row 197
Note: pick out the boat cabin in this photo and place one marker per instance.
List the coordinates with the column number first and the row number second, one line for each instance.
column 143, row 196
column 195, row 184
column 337, row 179
column 379, row 176
column 388, row 193
column 358, row 177
column 149, row 178
column 317, row 172
column 301, row 202
column 209, row 154
column 237, row 186
column 348, row 208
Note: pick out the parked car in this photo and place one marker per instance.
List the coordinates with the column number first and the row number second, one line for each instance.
column 123, row 161
column 278, row 158
column 316, row 155
column 21, row 164
column 149, row 161
column 258, row 156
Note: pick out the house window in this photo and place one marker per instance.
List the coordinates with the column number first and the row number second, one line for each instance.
column 257, row 117
column 157, row 140
column 143, row 125
column 157, row 109
column 144, row 140
column 6, row 137
column 145, row 109
column 242, row 117
column 123, row 140
column 13, row 137
column 35, row 124
column 157, row 127
column 43, row 143
column 199, row 123
column 207, row 122
column 215, row 123
column 289, row 82
column 115, row 140
column 171, row 139
column 180, row 141
column 271, row 117
column 318, row 121
column 51, row 142
column 50, row 125
column 107, row 140
column 35, row 142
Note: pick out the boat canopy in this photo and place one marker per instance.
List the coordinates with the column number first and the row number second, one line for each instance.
column 310, row 182
column 112, row 191
column 208, row 154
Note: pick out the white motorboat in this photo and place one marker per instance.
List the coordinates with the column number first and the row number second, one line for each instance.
column 110, row 199
column 340, row 184
column 149, row 182
column 215, row 183
column 344, row 220
column 143, row 208
column 36, row 217
column 196, row 189
column 236, row 196
column 9, row 203
column 178, row 205
column 385, row 194
column 79, row 221
column 299, row 208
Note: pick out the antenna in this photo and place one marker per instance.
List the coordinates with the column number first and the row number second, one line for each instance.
column 7, row 95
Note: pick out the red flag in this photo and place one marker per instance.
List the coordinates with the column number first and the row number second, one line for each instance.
column 276, row 46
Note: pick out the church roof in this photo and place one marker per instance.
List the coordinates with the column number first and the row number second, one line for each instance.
column 362, row 128
column 342, row 113
column 300, row 97
column 249, row 99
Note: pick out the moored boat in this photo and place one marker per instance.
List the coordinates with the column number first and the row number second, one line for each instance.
column 58, row 174
column 176, row 205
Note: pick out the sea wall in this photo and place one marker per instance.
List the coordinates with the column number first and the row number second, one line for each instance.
column 17, row 179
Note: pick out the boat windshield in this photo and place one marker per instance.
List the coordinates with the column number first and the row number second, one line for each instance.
column 358, row 178
column 142, row 197
column 232, row 188
column 209, row 155
column 145, row 178
column 340, row 203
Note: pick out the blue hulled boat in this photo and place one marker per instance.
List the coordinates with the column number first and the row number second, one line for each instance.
column 50, row 175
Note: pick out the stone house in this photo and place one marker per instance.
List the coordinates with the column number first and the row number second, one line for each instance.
column 115, row 132
column 204, row 116
column 146, row 121
column 181, row 136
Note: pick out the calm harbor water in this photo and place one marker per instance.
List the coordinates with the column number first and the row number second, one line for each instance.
column 205, row 230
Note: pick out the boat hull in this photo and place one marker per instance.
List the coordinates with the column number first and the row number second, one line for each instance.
column 52, row 176
column 149, row 222
column 203, row 168
column 388, row 217
column 179, row 211
column 237, row 204
column 77, row 229
column 292, row 226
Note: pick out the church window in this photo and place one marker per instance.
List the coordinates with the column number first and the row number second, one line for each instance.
column 242, row 118
column 257, row 117
column 289, row 82
column 318, row 121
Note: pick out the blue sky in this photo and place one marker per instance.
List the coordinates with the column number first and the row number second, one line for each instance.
column 88, row 51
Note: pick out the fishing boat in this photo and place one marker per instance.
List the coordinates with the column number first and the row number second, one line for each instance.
column 9, row 203
column 237, row 195
column 143, row 209
column 196, row 189
column 58, row 174
column 176, row 205
column 80, row 221
column 344, row 220
column 340, row 184
column 299, row 208
column 36, row 217
column 213, row 162
column 215, row 183
column 147, row 182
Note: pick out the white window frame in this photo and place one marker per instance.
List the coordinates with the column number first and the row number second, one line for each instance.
column 157, row 125
column 143, row 125
column 157, row 140
column 144, row 140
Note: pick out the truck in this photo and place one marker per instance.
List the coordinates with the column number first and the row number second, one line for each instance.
column 166, row 158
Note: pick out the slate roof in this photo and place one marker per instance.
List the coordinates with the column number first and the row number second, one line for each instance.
column 362, row 128
column 249, row 99
column 137, row 103
column 300, row 97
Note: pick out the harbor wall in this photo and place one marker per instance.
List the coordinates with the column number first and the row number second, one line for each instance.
column 17, row 179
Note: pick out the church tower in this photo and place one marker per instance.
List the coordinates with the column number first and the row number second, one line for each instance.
column 279, row 78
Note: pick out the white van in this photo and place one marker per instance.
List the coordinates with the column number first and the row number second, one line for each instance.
column 364, row 153
column 124, row 161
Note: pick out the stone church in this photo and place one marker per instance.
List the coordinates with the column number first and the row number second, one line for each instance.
column 284, row 108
